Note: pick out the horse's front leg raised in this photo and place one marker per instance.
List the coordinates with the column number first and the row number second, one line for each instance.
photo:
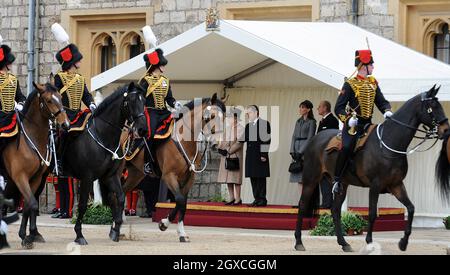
column 85, row 188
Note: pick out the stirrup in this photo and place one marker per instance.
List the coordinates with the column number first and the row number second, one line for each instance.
column 337, row 187
column 148, row 168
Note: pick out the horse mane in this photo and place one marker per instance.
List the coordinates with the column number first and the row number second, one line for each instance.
column 109, row 99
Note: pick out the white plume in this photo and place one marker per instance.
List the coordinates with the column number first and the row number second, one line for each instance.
column 60, row 34
column 1, row 40
column 149, row 36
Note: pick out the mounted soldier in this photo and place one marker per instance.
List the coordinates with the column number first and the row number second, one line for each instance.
column 11, row 100
column 11, row 97
column 73, row 89
column 359, row 95
column 158, row 94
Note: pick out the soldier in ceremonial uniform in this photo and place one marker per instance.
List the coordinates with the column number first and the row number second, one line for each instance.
column 360, row 93
column 73, row 89
column 158, row 93
column 11, row 97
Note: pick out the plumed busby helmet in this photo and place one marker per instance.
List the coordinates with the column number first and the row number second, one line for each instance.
column 68, row 56
column 6, row 56
column 363, row 57
column 155, row 59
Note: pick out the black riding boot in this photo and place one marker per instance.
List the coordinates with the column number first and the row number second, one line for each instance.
column 341, row 163
column 148, row 162
column 60, row 154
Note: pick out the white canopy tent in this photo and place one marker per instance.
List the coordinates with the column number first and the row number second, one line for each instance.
column 281, row 63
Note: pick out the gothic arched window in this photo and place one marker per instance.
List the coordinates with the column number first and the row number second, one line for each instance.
column 108, row 55
column 442, row 45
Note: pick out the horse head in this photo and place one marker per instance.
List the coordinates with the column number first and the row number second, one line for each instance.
column 432, row 114
column 134, row 104
column 213, row 118
column 50, row 103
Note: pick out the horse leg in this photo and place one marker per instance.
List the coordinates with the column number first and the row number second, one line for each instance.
column 183, row 206
column 400, row 193
column 307, row 192
column 172, row 184
column 85, row 187
column 34, row 233
column 374, row 193
column 336, row 213
column 117, row 205
column 30, row 206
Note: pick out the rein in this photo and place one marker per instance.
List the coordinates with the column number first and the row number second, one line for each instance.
column 429, row 134
column 96, row 138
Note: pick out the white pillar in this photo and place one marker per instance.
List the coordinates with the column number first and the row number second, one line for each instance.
column 345, row 205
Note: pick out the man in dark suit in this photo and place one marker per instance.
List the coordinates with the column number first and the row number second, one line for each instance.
column 329, row 121
column 257, row 137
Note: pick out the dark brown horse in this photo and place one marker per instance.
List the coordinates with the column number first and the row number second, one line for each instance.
column 26, row 155
column 443, row 168
column 177, row 167
column 381, row 165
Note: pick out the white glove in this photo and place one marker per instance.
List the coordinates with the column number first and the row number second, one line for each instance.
column 92, row 107
column 18, row 107
column 3, row 228
column 178, row 105
column 387, row 114
column 352, row 122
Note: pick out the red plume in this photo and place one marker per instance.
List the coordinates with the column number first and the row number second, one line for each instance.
column 2, row 55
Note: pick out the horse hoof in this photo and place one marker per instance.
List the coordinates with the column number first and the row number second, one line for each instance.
column 39, row 239
column 403, row 244
column 347, row 248
column 184, row 239
column 162, row 227
column 300, row 247
column 27, row 243
column 114, row 236
column 81, row 241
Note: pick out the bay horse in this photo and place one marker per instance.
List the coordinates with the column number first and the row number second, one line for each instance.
column 26, row 155
column 177, row 162
column 94, row 153
column 381, row 165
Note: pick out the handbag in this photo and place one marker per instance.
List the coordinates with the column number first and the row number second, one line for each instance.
column 232, row 164
column 296, row 166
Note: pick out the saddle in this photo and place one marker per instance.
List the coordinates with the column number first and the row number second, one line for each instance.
column 9, row 126
column 78, row 123
column 163, row 133
column 335, row 144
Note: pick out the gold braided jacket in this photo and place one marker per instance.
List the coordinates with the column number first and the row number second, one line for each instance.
column 8, row 88
column 158, row 87
column 75, row 91
column 365, row 91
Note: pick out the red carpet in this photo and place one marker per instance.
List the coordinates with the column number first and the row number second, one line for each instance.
column 270, row 217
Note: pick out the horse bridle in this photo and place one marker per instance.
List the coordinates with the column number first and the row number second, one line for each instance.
column 429, row 133
column 43, row 105
column 127, row 111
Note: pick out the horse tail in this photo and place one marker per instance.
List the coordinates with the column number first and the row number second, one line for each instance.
column 443, row 172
